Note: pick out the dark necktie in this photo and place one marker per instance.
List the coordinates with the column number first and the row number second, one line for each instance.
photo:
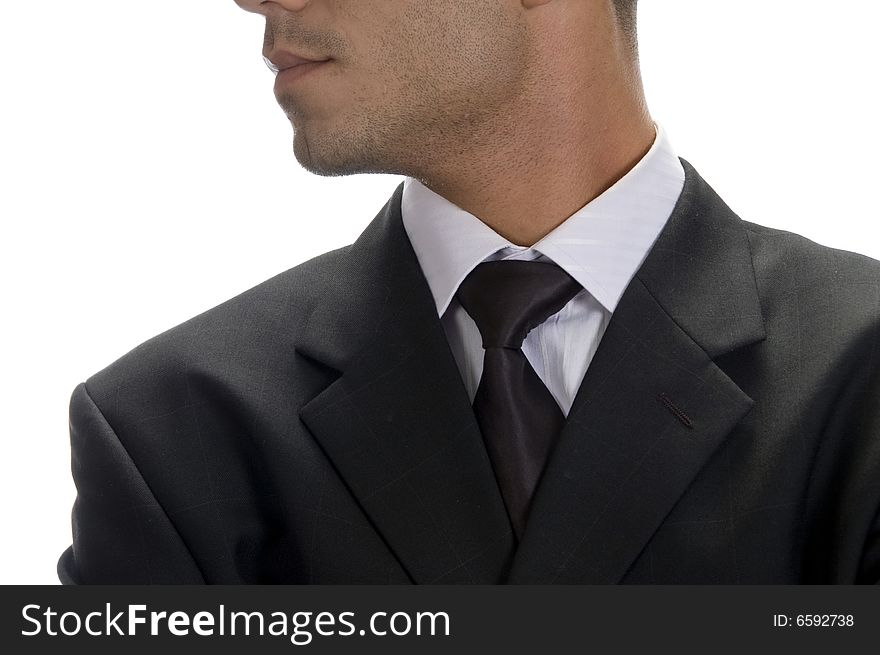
column 518, row 416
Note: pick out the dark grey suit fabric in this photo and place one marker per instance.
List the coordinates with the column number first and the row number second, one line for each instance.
column 315, row 429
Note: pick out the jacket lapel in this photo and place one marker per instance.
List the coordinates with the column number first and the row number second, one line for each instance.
column 653, row 406
column 397, row 422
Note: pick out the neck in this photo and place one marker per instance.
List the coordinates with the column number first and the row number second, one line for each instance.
column 579, row 126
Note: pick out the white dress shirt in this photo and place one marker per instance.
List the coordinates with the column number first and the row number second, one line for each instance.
column 601, row 245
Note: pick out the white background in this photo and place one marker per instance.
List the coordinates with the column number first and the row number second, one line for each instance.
column 146, row 175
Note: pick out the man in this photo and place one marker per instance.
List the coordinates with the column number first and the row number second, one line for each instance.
column 554, row 356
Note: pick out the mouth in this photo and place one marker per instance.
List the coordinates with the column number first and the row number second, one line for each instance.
column 279, row 61
column 287, row 76
column 290, row 67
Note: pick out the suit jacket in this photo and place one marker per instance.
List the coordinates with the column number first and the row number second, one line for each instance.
column 316, row 429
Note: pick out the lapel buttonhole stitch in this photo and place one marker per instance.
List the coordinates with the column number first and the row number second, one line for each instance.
column 676, row 412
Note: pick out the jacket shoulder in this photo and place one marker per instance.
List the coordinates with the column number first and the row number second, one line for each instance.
column 239, row 333
column 836, row 287
column 784, row 248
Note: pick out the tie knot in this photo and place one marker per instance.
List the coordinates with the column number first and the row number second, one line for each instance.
column 508, row 298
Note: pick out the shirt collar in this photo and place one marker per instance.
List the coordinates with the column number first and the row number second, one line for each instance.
column 601, row 245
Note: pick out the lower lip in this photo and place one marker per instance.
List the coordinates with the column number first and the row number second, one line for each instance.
column 289, row 75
